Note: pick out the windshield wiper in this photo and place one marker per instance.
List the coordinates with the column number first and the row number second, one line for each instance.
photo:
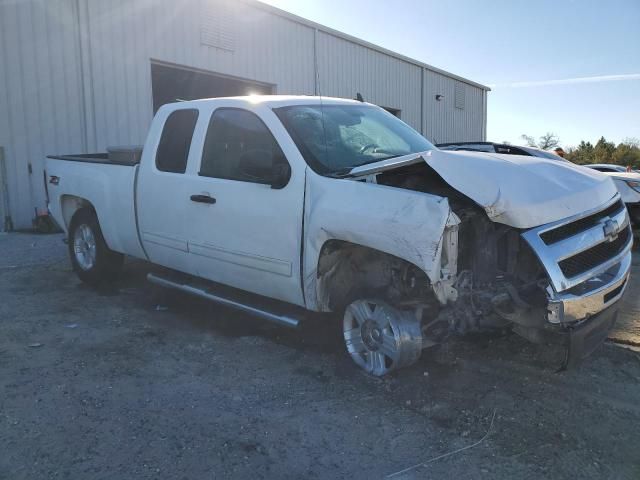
column 387, row 158
column 345, row 172
column 376, row 160
column 341, row 173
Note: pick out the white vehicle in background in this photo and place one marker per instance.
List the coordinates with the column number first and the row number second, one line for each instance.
column 503, row 148
column 627, row 183
column 609, row 168
column 281, row 205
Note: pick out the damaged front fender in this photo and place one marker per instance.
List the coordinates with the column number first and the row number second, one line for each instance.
column 417, row 227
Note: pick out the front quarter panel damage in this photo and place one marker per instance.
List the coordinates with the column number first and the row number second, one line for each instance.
column 412, row 226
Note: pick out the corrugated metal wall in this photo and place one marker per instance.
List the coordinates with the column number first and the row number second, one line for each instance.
column 345, row 68
column 40, row 95
column 443, row 121
column 122, row 41
column 76, row 75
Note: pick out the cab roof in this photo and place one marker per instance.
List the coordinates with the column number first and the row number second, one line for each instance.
column 274, row 101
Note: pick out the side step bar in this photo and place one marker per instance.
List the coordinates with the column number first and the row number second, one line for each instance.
column 259, row 311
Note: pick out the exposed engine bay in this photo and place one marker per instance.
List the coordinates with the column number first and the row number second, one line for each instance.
column 498, row 279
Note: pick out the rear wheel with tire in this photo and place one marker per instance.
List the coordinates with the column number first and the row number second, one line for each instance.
column 91, row 258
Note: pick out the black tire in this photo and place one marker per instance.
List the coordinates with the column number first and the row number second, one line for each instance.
column 634, row 215
column 104, row 264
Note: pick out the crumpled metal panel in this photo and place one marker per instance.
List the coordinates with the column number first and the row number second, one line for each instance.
column 404, row 223
column 519, row 191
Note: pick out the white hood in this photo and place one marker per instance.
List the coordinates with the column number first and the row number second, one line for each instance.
column 522, row 191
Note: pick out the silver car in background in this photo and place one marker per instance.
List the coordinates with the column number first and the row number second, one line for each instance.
column 492, row 147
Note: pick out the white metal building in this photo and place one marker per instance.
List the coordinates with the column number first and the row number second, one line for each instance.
column 80, row 75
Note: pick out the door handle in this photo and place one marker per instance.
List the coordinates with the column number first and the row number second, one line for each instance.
column 203, row 199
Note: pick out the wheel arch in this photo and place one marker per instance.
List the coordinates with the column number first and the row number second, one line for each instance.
column 70, row 204
column 344, row 269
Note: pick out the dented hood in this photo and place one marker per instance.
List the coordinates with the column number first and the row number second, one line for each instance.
column 516, row 190
column 522, row 191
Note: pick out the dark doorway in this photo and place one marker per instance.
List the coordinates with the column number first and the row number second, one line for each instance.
column 170, row 84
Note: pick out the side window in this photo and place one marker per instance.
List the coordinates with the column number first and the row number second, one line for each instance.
column 239, row 146
column 173, row 149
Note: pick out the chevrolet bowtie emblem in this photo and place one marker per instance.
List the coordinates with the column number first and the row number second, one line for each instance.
column 610, row 229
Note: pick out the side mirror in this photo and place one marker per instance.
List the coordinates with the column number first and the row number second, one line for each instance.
column 257, row 165
column 261, row 166
column 281, row 175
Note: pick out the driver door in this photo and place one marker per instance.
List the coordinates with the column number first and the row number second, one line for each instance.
column 249, row 236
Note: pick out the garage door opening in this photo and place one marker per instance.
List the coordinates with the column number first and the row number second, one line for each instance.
column 171, row 84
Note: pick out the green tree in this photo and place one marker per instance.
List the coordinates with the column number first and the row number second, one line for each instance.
column 603, row 151
column 626, row 153
column 582, row 154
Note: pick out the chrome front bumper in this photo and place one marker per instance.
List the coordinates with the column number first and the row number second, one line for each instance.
column 577, row 297
column 607, row 289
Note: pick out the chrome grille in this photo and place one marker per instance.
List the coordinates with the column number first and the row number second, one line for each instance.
column 565, row 231
column 591, row 258
column 578, row 248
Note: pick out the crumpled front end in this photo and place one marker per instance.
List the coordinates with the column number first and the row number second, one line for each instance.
column 588, row 259
column 519, row 191
column 418, row 229
column 564, row 275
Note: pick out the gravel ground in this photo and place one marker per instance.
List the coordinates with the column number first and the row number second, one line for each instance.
column 139, row 382
column 627, row 330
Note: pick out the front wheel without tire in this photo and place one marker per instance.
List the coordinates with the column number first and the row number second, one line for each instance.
column 91, row 259
column 381, row 338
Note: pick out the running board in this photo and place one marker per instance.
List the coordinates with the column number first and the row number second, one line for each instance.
column 227, row 301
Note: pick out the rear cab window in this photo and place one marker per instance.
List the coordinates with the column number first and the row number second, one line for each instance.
column 175, row 141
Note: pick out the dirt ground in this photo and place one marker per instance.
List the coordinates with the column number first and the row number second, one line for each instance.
column 143, row 383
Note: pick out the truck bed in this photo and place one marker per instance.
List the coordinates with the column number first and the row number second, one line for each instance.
column 83, row 157
column 107, row 186
column 126, row 155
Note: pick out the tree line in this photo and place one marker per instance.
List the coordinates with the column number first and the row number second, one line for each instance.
column 625, row 153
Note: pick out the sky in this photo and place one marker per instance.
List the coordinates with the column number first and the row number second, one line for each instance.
column 571, row 67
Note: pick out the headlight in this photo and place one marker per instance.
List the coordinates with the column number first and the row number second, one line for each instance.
column 634, row 185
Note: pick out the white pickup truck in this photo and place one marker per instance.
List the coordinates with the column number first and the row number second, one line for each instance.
column 281, row 205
